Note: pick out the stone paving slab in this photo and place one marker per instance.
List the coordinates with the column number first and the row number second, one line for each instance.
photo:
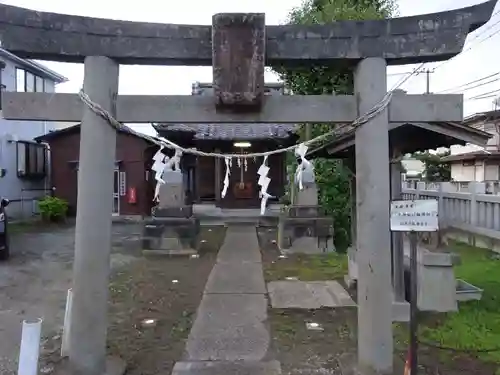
column 240, row 245
column 308, row 295
column 227, row 368
column 246, row 278
column 229, row 327
column 229, row 335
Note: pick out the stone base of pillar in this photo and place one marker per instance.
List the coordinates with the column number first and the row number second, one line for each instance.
column 348, row 365
column 114, row 366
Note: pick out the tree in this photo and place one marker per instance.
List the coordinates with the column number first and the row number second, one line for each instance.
column 434, row 169
column 332, row 177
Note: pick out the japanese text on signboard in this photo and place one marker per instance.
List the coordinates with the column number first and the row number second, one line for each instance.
column 415, row 215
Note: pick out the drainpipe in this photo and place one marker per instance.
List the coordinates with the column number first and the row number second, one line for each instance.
column 48, row 178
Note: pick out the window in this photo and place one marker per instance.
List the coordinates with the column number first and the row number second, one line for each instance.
column 2, row 89
column 28, row 82
column 39, row 84
column 20, row 80
column 31, row 160
column 2, row 86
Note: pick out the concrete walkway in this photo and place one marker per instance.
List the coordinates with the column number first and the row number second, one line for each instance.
column 229, row 335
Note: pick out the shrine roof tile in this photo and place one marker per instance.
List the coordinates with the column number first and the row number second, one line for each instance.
column 231, row 131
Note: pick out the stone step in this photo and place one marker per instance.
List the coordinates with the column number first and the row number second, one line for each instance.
column 251, row 220
column 227, row 368
column 182, row 252
column 314, row 371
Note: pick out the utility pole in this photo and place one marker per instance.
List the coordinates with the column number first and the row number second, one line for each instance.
column 428, row 79
column 496, row 106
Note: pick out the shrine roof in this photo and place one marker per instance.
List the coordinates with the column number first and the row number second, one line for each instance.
column 75, row 128
column 479, row 155
column 230, row 131
column 482, row 116
column 406, row 138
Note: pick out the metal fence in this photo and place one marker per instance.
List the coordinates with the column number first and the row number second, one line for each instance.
column 25, row 206
column 474, row 211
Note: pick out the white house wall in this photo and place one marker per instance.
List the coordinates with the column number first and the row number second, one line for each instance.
column 492, row 144
column 467, row 173
column 21, row 192
column 491, row 171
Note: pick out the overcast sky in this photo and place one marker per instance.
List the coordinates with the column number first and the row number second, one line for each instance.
column 480, row 59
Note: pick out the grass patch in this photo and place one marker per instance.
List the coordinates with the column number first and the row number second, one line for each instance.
column 210, row 238
column 477, row 324
column 320, row 267
column 34, row 225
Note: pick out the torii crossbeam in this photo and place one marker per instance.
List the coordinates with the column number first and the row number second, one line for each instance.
column 239, row 97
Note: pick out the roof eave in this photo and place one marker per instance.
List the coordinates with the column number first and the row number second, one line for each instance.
column 463, row 134
column 37, row 67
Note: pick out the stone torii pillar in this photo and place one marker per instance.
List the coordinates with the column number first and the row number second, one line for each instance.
column 375, row 347
column 238, row 98
column 89, row 311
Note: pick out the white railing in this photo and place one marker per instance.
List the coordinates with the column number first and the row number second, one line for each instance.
column 491, row 187
column 474, row 211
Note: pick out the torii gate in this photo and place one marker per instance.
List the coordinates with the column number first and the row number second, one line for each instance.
column 238, row 46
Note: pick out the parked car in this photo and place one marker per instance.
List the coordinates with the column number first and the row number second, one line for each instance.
column 4, row 237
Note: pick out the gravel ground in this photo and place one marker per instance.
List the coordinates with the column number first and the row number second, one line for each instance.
column 34, row 284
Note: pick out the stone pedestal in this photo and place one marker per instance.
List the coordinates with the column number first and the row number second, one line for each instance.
column 172, row 193
column 352, row 277
column 170, row 236
column 308, row 196
column 172, row 229
column 436, row 280
column 304, row 229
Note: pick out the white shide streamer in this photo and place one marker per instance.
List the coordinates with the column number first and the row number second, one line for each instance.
column 300, row 152
column 264, row 182
column 228, row 162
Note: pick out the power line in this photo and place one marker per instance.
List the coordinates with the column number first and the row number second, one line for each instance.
column 482, row 97
column 428, row 71
column 487, row 28
column 472, row 46
column 483, row 94
column 481, row 84
column 399, row 74
column 469, row 83
column 404, row 79
column 481, row 32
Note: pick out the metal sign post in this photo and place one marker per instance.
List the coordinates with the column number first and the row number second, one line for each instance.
column 414, row 216
column 413, row 304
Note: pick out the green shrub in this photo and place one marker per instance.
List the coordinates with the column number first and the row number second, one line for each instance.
column 53, row 208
